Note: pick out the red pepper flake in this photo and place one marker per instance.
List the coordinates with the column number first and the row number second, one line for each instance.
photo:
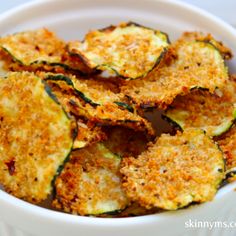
column 11, row 166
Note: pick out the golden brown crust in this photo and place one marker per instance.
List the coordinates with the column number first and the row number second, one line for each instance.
column 90, row 183
column 115, row 47
column 108, row 113
column 33, row 46
column 192, row 64
column 175, row 171
column 215, row 113
column 38, row 49
column 35, row 137
column 199, row 36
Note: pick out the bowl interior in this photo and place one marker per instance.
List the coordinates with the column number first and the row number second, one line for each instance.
column 72, row 19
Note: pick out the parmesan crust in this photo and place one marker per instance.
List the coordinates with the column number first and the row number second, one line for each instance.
column 35, row 137
column 129, row 50
column 92, row 91
column 90, row 183
column 175, row 171
column 199, row 36
column 214, row 113
column 37, row 49
column 194, row 64
column 106, row 114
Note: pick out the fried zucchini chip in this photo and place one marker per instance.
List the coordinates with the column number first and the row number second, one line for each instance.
column 36, row 49
column 36, row 136
column 90, row 183
column 130, row 50
column 194, row 64
column 125, row 142
column 175, row 171
column 228, row 144
column 105, row 114
column 211, row 112
column 110, row 114
column 199, row 36
column 88, row 134
column 94, row 92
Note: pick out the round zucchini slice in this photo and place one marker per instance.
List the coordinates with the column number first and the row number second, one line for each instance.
column 187, row 65
column 106, row 114
column 211, row 112
column 94, row 92
column 175, row 171
column 38, row 46
column 35, row 136
column 90, row 183
column 115, row 47
column 35, row 49
column 200, row 36
column 111, row 114
column 227, row 143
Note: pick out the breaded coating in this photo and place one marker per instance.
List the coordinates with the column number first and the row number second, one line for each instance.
column 105, row 114
column 110, row 114
column 200, row 36
column 228, row 144
column 130, row 50
column 41, row 48
column 194, row 64
column 35, row 136
column 125, row 142
column 175, row 171
column 90, row 183
column 214, row 113
column 88, row 134
column 92, row 91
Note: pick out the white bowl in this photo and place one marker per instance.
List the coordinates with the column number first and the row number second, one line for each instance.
column 71, row 19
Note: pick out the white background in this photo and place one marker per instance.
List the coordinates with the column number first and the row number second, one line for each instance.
column 225, row 9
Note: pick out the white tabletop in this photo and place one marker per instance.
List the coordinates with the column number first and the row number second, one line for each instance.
column 224, row 9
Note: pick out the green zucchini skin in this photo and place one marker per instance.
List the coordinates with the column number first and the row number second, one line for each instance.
column 44, row 120
column 173, row 123
column 87, row 171
column 49, row 92
column 74, row 131
column 118, row 72
column 229, row 174
column 12, row 56
column 159, row 59
column 144, row 173
column 215, row 113
column 42, row 63
column 69, row 82
column 179, row 76
column 177, row 126
column 30, row 50
column 125, row 106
